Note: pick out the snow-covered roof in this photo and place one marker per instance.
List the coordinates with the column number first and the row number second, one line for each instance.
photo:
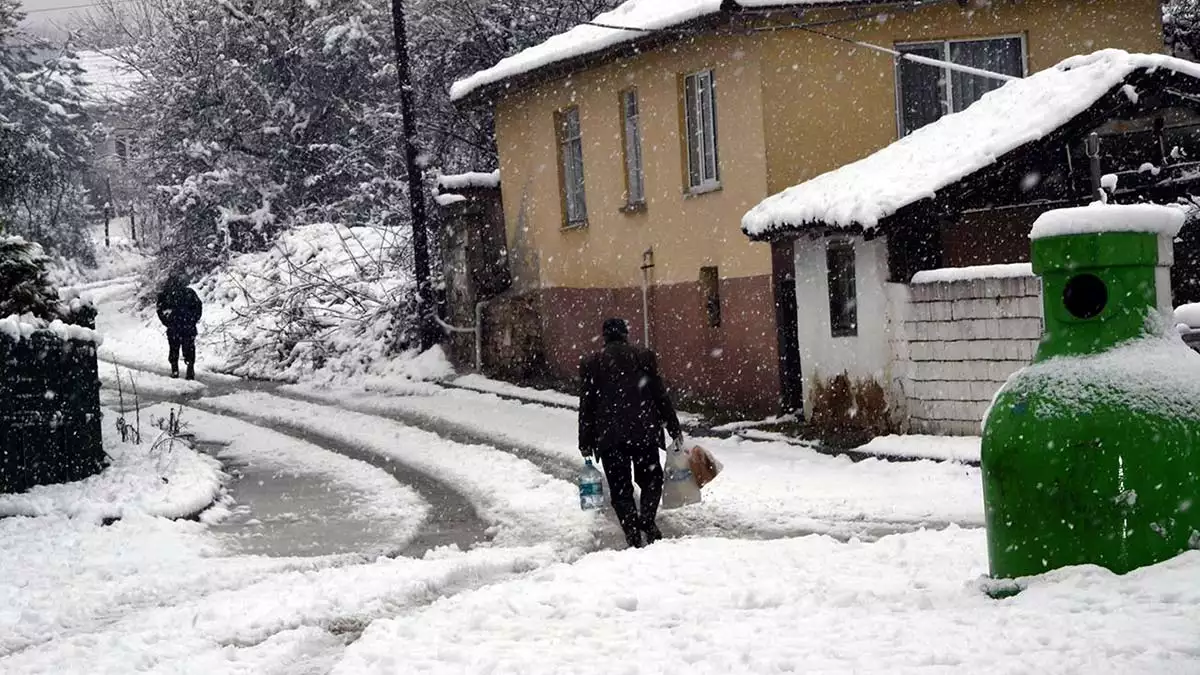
column 472, row 179
column 955, row 146
column 108, row 79
column 1097, row 218
column 448, row 199
column 630, row 21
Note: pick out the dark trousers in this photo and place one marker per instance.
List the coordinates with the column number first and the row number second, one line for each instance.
column 177, row 341
column 648, row 473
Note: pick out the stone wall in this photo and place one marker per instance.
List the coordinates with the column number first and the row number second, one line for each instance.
column 512, row 339
column 49, row 406
column 965, row 337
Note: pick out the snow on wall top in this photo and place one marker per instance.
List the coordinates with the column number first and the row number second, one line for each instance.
column 641, row 16
column 956, row 146
column 950, row 274
column 108, row 79
column 21, row 327
column 1096, row 218
column 473, row 179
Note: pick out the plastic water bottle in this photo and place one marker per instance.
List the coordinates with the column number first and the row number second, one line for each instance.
column 591, row 487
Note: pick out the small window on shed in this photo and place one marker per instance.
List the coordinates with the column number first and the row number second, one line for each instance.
column 843, row 298
column 710, row 286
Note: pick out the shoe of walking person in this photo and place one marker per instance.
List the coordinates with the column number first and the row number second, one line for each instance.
column 634, row 538
column 652, row 533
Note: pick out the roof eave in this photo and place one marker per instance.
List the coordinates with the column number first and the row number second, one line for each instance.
column 726, row 16
column 821, row 228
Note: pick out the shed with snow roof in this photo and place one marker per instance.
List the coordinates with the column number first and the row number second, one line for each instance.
column 959, row 196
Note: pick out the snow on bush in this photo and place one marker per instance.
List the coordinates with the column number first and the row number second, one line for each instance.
column 326, row 302
column 167, row 479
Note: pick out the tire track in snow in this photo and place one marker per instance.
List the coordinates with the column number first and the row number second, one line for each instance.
column 452, row 519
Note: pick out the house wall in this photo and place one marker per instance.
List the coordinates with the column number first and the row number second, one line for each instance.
column 582, row 275
column 964, row 339
column 866, row 356
column 827, row 103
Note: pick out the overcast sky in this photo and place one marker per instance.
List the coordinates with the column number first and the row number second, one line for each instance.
column 46, row 16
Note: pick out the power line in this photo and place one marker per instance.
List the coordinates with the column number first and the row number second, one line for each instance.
column 923, row 60
column 84, row 6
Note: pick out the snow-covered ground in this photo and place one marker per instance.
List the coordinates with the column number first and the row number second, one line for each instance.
column 952, row 448
column 909, row 603
column 153, row 595
column 121, row 258
column 771, row 488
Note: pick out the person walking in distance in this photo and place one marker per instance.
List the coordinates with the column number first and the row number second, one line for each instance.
column 623, row 405
column 179, row 309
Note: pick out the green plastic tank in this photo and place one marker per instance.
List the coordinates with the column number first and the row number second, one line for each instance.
column 1092, row 453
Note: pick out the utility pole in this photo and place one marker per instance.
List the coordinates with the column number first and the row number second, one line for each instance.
column 108, row 208
column 416, row 188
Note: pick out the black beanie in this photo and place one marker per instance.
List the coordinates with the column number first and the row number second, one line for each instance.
column 615, row 330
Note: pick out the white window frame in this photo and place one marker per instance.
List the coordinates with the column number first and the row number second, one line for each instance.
column 571, row 168
column 707, row 132
column 635, row 170
column 948, row 101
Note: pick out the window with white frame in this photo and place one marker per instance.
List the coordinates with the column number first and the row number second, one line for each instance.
column 635, row 177
column 700, row 121
column 926, row 92
column 570, row 150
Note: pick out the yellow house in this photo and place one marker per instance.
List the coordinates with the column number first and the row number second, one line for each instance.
column 631, row 147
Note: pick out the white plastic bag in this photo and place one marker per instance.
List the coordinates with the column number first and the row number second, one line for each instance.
column 679, row 485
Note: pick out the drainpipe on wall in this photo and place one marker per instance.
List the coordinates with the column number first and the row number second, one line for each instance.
column 647, row 266
column 477, row 329
column 479, row 335
column 1093, row 153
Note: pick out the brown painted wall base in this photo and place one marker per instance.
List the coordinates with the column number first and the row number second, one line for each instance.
column 732, row 367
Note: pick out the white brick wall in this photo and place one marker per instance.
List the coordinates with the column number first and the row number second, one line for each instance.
column 964, row 338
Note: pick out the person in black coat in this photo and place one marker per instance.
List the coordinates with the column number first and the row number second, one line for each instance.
column 623, row 405
column 179, row 309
